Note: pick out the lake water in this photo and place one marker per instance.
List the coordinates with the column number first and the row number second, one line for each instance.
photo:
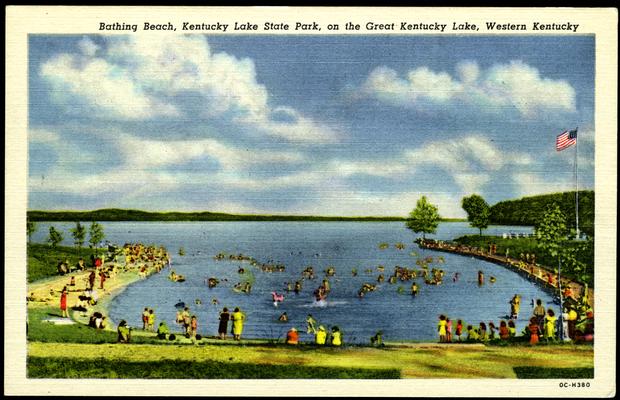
column 344, row 245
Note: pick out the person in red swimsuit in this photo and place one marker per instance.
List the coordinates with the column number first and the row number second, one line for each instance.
column 63, row 303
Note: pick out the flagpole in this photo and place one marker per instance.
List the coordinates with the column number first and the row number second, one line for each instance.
column 576, row 189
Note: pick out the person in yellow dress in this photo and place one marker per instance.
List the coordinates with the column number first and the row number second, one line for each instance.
column 441, row 328
column 336, row 336
column 321, row 335
column 550, row 325
column 238, row 318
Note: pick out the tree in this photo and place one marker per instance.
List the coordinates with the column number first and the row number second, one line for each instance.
column 478, row 211
column 55, row 237
column 424, row 218
column 96, row 234
column 31, row 228
column 551, row 231
column 553, row 237
column 79, row 235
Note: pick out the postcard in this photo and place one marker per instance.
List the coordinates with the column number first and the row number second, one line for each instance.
column 329, row 201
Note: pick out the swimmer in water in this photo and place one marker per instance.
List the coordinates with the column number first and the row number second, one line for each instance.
column 198, row 302
column 215, row 301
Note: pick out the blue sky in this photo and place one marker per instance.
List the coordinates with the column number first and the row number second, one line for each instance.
column 326, row 125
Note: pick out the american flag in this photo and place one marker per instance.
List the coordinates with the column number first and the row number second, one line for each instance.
column 565, row 139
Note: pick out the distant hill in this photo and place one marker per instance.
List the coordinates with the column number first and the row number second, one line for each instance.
column 115, row 214
column 529, row 210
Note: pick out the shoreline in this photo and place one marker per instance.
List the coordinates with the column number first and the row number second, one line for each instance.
column 113, row 286
column 536, row 273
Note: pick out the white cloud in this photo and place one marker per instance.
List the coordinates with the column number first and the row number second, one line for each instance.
column 516, row 85
column 145, row 153
column 37, row 135
column 362, row 203
column 88, row 47
column 530, row 184
column 102, row 86
column 148, row 76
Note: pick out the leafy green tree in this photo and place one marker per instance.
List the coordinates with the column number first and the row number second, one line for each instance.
column 79, row 236
column 96, row 234
column 31, row 228
column 55, row 237
column 553, row 236
column 552, row 232
column 424, row 218
column 478, row 211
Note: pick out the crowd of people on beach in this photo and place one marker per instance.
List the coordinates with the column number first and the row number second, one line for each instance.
column 577, row 324
column 544, row 324
column 524, row 263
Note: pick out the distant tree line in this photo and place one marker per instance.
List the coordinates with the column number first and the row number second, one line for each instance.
column 114, row 214
column 530, row 210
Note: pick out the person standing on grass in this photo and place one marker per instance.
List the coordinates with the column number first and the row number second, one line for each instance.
column 336, row 336
column 321, row 335
column 63, row 303
column 550, row 321
column 151, row 320
column 539, row 313
column 459, row 329
column 238, row 318
column 442, row 328
column 193, row 326
column 145, row 318
column 223, row 326
column 448, row 330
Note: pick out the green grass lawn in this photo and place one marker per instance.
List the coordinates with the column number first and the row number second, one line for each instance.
column 43, row 259
column 104, row 368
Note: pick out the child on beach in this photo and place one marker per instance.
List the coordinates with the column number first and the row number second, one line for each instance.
column 441, row 328
column 459, row 329
column 448, row 330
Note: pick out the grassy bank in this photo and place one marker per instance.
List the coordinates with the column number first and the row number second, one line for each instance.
column 517, row 246
column 39, row 367
column 43, row 259
column 63, row 360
